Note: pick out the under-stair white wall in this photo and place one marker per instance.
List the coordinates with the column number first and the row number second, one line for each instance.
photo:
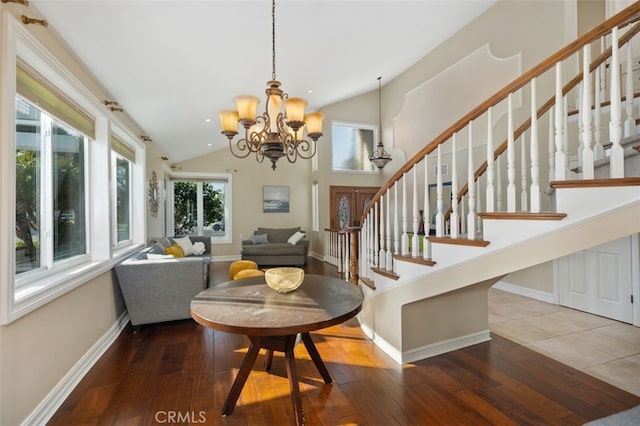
column 594, row 216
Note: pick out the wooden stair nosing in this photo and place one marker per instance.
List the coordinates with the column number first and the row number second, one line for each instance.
column 417, row 260
column 595, row 183
column 459, row 241
column 369, row 283
column 522, row 215
column 385, row 273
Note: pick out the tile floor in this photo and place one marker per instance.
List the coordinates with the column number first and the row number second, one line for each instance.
column 603, row 348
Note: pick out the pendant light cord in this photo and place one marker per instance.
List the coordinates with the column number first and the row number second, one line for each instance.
column 273, row 40
column 380, row 105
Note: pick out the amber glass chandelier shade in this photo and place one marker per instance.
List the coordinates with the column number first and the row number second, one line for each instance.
column 247, row 106
column 229, row 121
column 278, row 131
column 294, row 108
column 313, row 120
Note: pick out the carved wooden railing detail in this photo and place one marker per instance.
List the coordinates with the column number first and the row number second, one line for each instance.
column 390, row 224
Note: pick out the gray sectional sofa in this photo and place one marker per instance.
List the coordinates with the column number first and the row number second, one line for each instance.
column 158, row 290
column 276, row 250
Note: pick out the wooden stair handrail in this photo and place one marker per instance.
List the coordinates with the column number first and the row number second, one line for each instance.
column 627, row 16
column 547, row 106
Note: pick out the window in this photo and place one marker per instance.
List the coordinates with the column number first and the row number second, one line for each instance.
column 50, row 213
column 351, row 146
column 201, row 206
column 56, row 163
column 122, row 158
column 315, row 208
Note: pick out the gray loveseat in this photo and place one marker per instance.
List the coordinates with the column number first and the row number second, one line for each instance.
column 158, row 290
column 276, row 251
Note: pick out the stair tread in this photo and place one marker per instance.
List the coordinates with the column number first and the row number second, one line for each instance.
column 384, row 273
column 369, row 283
column 418, row 260
column 523, row 215
column 459, row 241
column 593, row 183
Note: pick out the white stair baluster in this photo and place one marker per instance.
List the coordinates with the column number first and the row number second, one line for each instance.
column 578, row 96
column 389, row 259
column 471, row 189
column 499, row 185
column 565, row 136
column 598, row 151
column 552, row 145
column 603, row 72
column 454, row 217
column 587, row 152
column 396, row 224
column 490, row 194
column 524, row 195
column 534, row 154
column 462, row 207
column 615, row 126
column 511, row 162
column 382, row 256
column 426, row 249
column 630, row 122
column 405, row 218
column 439, row 213
column 374, row 234
column 561, row 173
column 415, row 247
column 478, row 208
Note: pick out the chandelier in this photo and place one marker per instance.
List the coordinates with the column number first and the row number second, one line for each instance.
column 275, row 133
column 380, row 157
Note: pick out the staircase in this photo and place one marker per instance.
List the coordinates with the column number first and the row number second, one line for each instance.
column 565, row 177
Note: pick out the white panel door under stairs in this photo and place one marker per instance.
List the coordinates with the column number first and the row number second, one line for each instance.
column 599, row 280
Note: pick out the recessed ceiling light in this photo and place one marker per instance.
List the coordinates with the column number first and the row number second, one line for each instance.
column 310, row 91
column 207, row 120
column 209, row 144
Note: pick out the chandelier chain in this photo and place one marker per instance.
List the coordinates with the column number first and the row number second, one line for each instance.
column 380, row 105
column 273, row 40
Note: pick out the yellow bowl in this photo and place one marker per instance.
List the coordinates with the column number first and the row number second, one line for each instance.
column 284, row 280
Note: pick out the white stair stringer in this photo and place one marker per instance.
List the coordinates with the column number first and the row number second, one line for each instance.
column 399, row 315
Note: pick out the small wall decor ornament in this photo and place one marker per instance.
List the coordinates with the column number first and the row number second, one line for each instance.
column 153, row 194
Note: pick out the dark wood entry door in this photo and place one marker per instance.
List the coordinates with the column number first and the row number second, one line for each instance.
column 347, row 203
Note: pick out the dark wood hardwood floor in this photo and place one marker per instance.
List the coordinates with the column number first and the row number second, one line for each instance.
column 180, row 373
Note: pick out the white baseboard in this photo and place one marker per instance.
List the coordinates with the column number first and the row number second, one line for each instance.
column 50, row 404
column 542, row 296
column 428, row 351
column 318, row 256
column 445, row 346
column 386, row 347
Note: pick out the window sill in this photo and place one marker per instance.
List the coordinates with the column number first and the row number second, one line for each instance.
column 29, row 297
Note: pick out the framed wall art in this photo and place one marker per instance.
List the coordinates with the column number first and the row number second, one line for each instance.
column 275, row 199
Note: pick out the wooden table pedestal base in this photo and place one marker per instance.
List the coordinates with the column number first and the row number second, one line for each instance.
column 284, row 344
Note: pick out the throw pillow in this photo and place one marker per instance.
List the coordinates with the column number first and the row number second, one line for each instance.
column 164, row 243
column 199, row 248
column 295, row 238
column 175, row 250
column 185, row 244
column 151, row 256
column 259, row 239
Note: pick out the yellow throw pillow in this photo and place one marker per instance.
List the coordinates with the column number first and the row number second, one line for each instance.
column 174, row 250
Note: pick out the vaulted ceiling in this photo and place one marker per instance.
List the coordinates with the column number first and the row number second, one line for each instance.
column 172, row 65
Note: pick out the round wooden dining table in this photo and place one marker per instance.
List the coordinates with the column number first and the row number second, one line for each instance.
column 272, row 321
